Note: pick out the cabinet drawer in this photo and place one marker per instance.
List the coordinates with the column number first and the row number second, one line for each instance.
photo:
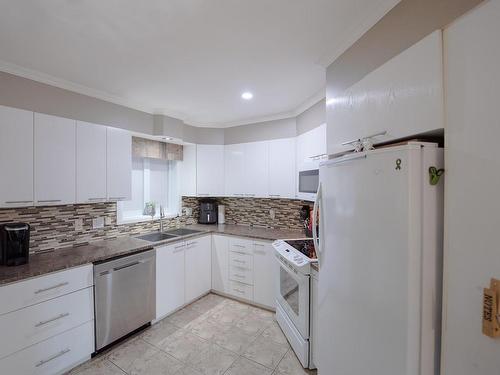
column 33, row 324
column 240, row 245
column 241, row 260
column 26, row 293
column 241, row 290
column 241, row 274
column 53, row 356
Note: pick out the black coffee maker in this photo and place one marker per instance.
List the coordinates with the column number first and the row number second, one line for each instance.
column 14, row 244
column 208, row 211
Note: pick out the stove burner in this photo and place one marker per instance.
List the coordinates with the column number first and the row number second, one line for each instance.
column 306, row 247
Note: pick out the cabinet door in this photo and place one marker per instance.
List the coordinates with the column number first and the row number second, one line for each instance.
column 234, row 159
column 310, row 146
column 119, row 164
column 55, row 160
column 188, row 171
column 170, row 278
column 282, row 168
column 220, row 265
column 16, row 157
column 198, row 267
column 90, row 162
column 210, row 170
column 265, row 273
column 256, row 171
column 403, row 97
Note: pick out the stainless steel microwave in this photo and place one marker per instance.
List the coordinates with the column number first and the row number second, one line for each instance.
column 309, row 181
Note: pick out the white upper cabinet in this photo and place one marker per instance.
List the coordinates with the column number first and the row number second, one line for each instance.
column 210, row 170
column 256, row 169
column 16, row 157
column 55, row 164
column 282, row 168
column 119, row 164
column 403, row 97
column 310, row 147
column 188, row 171
column 90, row 162
column 234, row 158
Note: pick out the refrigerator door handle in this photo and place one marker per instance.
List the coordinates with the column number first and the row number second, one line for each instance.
column 315, row 223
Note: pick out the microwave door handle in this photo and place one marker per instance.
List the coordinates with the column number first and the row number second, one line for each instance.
column 315, row 223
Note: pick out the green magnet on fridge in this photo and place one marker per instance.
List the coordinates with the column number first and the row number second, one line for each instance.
column 434, row 175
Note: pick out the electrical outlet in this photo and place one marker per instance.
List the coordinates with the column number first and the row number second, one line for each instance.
column 108, row 220
column 79, row 225
column 188, row 211
column 272, row 213
column 98, row 223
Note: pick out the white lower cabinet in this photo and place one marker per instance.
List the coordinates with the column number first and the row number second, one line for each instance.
column 265, row 269
column 220, row 263
column 198, row 267
column 47, row 323
column 53, row 356
column 170, row 284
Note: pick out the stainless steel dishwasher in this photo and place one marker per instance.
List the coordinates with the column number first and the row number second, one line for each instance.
column 125, row 296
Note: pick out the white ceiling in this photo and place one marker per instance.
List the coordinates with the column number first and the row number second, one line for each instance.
column 189, row 59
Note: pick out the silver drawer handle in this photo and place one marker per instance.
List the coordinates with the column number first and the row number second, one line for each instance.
column 240, row 246
column 117, row 198
column 192, row 243
column 51, row 320
column 259, row 244
column 48, row 200
column 239, row 261
column 263, row 252
column 239, row 291
column 240, row 276
column 95, row 199
column 178, row 247
column 51, row 287
column 239, row 252
column 242, row 268
column 17, row 202
column 60, row 354
column 274, row 195
column 177, row 251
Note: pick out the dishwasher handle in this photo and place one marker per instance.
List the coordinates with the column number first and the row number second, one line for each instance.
column 128, row 265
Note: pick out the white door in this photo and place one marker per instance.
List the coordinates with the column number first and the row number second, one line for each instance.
column 282, row 168
column 210, row 170
column 119, row 164
column 90, row 162
column 170, row 278
column 55, row 159
column 234, row 159
column 198, row 267
column 16, row 157
column 188, row 171
column 265, row 268
column 369, row 290
column 220, row 263
column 256, row 169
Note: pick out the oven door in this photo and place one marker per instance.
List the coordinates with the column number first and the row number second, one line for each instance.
column 292, row 295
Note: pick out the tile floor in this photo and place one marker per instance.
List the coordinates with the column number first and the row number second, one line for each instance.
column 212, row 336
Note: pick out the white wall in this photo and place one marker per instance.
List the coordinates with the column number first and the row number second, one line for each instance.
column 472, row 203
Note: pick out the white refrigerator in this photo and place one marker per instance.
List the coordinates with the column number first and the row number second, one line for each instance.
column 380, row 259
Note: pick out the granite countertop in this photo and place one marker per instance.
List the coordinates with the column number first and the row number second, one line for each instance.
column 69, row 257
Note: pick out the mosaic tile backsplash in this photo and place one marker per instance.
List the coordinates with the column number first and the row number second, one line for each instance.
column 53, row 227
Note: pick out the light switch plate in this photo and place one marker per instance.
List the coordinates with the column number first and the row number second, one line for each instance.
column 98, row 223
column 108, row 220
column 272, row 213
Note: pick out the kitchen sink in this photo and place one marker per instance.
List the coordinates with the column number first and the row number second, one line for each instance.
column 155, row 237
column 182, row 232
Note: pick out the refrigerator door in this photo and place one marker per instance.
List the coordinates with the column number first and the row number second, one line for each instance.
column 369, row 279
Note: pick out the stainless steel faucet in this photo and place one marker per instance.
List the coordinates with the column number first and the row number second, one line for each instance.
column 162, row 216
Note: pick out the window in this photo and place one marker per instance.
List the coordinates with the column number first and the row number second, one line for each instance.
column 154, row 182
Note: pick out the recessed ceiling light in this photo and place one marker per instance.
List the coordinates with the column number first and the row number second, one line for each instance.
column 247, row 95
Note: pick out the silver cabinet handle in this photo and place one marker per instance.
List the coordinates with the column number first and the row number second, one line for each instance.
column 260, row 252
column 239, row 261
column 48, row 200
column 259, row 244
column 96, row 199
column 17, row 202
column 117, row 198
column 192, row 243
column 51, row 287
column 240, row 246
column 239, row 252
column 274, row 195
column 127, row 266
column 42, row 323
column 60, row 354
column 239, row 291
column 178, row 247
column 239, row 276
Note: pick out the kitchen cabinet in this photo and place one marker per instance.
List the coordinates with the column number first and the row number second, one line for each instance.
column 265, row 270
column 170, row 278
column 54, row 156
column 16, row 157
column 403, row 97
column 256, row 169
column 210, row 170
column 282, row 168
column 198, row 267
column 220, row 266
column 188, row 171
column 119, row 164
column 47, row 322
column 90, row 163
column 234, row 159
column 311, row 146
